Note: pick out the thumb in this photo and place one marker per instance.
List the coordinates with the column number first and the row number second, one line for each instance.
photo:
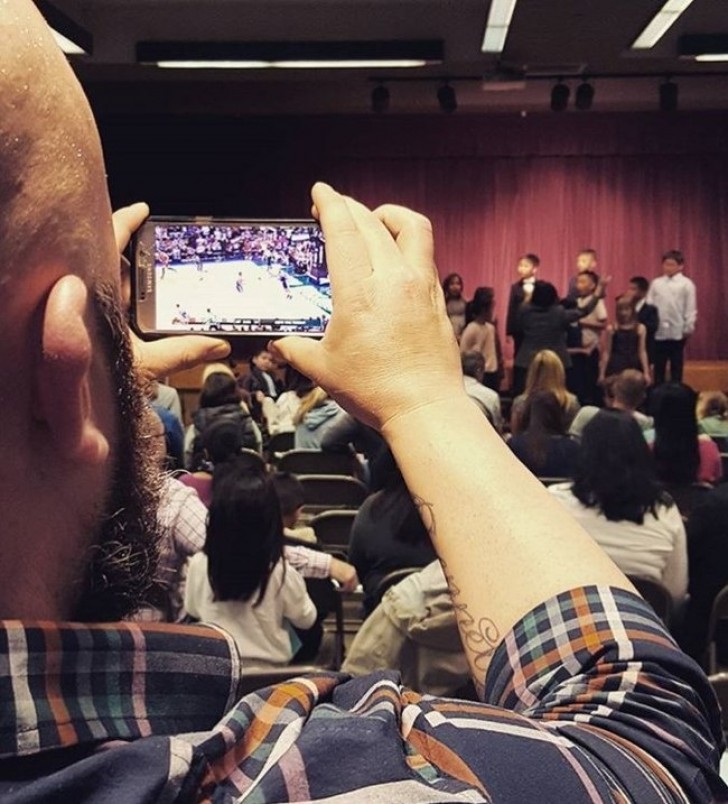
column 302, row 353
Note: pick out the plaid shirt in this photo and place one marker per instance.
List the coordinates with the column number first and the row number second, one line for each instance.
column 588, row 700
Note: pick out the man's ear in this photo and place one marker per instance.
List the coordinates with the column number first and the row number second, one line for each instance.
column 62, row 375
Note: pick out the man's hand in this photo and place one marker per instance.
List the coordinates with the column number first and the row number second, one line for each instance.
column 389, row 347
column 345, row 574
column 159, row 358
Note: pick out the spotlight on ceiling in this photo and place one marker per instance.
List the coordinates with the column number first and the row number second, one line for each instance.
column 380, row 99
column 447, row 98
column 668, row 96
column 584, row 96
column 560, row 97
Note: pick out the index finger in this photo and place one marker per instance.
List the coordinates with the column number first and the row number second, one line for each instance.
column 412, row 233
column 126, row 221
column 346, row 250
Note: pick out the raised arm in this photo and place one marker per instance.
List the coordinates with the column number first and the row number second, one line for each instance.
column 505, row 543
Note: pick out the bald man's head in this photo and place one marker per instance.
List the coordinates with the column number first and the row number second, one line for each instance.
column 56, row 214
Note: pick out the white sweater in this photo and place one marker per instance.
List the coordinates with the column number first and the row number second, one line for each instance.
column 656, row 549
column 259, row 632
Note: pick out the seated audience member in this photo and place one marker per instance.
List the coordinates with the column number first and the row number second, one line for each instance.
column 480, row 335
column 683, row 457
column 241, row 582
column 260, row 377
column 647, row 314
column 347, row 434
column 452, row 288
column 707, row 530
column 291, row 497
column 114, row 711
column 387, row 535
column 543, row 445
column 222, row 441
column 316, row 414
column 542, row 324
column 546, row 373
column 220, row 399
column 166, row 397
column 279, row 413
column 625, row 344
column 174, row 439
column 619, row 502
column 414, row 631
column 712, row 413
column 485, row 398
column 626, row 392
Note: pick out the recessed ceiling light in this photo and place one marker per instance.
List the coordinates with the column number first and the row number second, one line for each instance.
column 496, row 29
column 659, row 25
column 712, row 57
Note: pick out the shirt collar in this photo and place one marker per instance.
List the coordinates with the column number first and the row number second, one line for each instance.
column 69, row 684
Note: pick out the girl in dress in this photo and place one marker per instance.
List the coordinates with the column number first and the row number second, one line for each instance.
column 625, row 344
column 455, row 302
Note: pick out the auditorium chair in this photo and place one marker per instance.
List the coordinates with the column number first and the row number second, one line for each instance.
column 719, row 683
column 391, row 579
column 552, row 481
column 718, row 614
column 278, row 444
column 327, row 492
column 333, row 529
column 316, row 462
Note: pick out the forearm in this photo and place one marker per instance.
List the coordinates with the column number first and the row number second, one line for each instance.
column 505, row 543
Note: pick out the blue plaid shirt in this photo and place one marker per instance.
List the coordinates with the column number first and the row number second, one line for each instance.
column 587, row 700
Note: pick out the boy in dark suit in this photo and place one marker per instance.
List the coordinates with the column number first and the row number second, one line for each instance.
column 520, row 294
column 647, row 314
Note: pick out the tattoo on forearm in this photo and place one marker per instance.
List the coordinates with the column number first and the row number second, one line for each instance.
column 480, row 637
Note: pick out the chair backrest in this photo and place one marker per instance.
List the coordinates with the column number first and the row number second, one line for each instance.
column 552, row 481
column 656, row 595
column 332, row 491
column 719, row 683
column 279, row 443
column 392, row 578
column 256, row 456
column 718, row 613
column 316, row 462
column 333, row 528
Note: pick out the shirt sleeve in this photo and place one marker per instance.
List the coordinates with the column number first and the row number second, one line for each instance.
column 596, row 667
column 675, row 574
column 298, row 608
column 189, row 523
column 309, row 563
column 691, row 310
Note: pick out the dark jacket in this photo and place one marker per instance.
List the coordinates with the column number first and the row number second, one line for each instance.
column 204, row 417
column 650, row 317
column 515, row 300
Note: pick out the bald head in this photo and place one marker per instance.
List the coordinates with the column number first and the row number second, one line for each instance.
column 56, row 216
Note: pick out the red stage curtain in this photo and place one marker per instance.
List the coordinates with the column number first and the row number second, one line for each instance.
column 630, row 186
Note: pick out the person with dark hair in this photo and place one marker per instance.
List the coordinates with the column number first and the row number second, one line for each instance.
column 683, row 457
column 480, row 334
column 260, row 377
column 617, row 498
column 387, row 534
column 455, row 302
column 279, row 413
column 240, row 582
column 543, row 323
column 586, row 262
column 673, row 294
column 485, row 398
column 220, row 400
column 543, row 444
column 647, row 314
column 585, row 356
column 520, row 294
column 625, row 344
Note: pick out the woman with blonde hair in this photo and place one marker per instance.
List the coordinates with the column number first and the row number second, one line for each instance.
column 712, row 411
column 546, row 373
column 315, row 415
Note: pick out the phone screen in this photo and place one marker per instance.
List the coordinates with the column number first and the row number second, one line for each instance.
column 225, row 276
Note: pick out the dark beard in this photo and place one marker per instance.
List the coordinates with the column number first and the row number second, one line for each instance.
column 122, row 561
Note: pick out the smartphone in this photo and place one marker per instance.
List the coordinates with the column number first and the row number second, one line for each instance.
column 231, row 277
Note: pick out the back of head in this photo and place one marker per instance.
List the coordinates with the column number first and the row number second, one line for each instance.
column 629, row 388
column 223, row 440
column 473, row 364
column 676, row 450
column 543, row 418
column 297, row 382
column 290, row 492
column 482, row 303
column 615, row 470
column 712, row 403
column 546, row 373
column 544, row 295
column 313, row 399
column 219, row 389
column 244, row 531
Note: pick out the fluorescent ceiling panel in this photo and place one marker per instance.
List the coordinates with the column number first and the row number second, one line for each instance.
column 66, row 45
column 496, row 29
column 659, row 25
column 289, row 65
